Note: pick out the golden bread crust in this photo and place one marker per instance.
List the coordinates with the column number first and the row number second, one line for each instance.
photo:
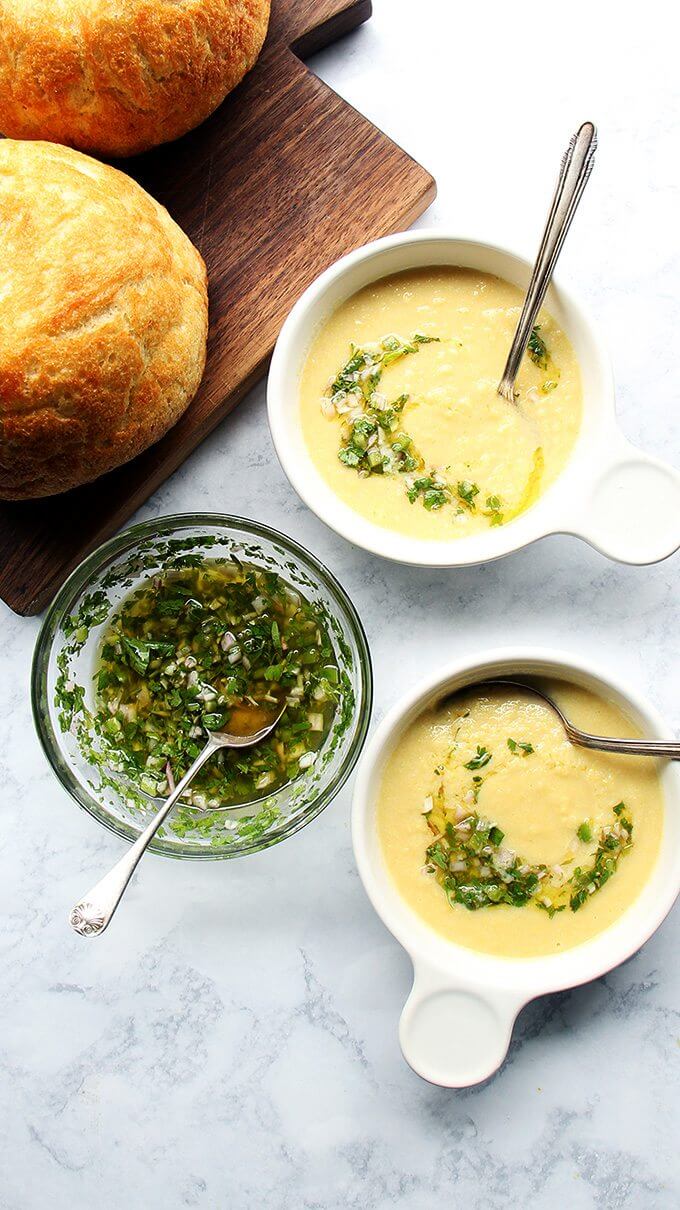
column 103, row 319
column 116, row 77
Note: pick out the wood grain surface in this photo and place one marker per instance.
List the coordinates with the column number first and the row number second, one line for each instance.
column 279, row 182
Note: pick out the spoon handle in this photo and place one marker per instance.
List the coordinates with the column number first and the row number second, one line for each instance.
column 576, row 167
column 668, row 749
column 93, row 912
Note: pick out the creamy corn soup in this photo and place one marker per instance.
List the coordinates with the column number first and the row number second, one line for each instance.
column 400, row 410
column 506, row 838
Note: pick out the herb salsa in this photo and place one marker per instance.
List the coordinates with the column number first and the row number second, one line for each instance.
column 184, row 651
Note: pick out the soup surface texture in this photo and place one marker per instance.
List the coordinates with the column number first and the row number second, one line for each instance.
column 400, row 410
column 495, row 828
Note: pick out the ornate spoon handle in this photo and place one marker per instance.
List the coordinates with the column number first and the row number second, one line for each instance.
column 576, row 167
column 93, row 912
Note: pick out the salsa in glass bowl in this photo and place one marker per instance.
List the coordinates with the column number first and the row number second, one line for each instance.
column 157, row 638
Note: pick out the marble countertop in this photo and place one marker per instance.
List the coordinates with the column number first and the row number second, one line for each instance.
column 232, row 1041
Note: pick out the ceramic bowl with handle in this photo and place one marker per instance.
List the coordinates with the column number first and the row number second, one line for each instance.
column 623, row 502
column 457, row 1022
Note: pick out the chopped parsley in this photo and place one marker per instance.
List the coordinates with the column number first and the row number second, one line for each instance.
column 479, row 760
column 434, row 492
column 520, row 748
column 466, row 492
column 494, row 510
column 471, row 865
column 613, row 843
column 540, row 355
column 373, row 440
column 536, row 348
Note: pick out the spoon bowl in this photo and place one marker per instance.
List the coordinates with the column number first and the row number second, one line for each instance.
column 248, row 724
column 602, row 743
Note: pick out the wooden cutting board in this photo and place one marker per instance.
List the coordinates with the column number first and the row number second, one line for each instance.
column 282, row 180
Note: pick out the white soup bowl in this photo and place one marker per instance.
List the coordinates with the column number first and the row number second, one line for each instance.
column 457, row 1022
column 623, row 502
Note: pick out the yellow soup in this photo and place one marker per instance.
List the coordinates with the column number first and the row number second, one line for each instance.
column 400, row 410
column 485, row 805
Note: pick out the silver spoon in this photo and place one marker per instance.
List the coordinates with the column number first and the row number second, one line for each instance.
column 576, row 167
column 603, row 743
column 92, row 913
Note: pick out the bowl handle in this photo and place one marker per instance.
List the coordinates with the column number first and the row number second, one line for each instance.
column 632, row 513
column 455, row 1034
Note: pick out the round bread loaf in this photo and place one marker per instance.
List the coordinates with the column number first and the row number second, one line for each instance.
column 103, row 319
column 119, row 76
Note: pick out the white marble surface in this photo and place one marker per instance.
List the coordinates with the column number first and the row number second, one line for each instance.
column 231, row 1042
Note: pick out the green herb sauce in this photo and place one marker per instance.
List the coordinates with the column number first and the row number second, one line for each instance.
column 189, row 646
column 538, row 352
column 373, row 440
column 470, row 863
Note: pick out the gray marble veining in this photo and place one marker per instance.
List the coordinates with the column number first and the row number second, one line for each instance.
column 231, row 1041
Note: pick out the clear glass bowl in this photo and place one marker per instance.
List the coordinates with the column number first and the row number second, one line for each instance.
column 69, row 641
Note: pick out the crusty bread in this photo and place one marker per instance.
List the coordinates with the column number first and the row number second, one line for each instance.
column 116, row 77
column 103, row 319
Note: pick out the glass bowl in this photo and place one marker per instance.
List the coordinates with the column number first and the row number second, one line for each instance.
column 67, row 648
